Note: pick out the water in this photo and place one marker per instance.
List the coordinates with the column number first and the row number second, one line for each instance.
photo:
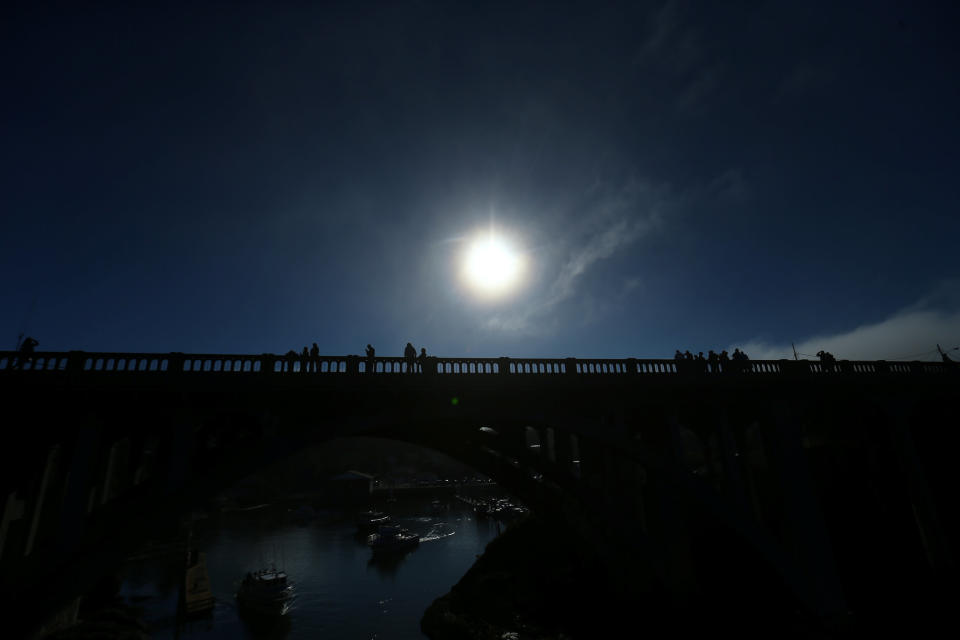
column 342, row 592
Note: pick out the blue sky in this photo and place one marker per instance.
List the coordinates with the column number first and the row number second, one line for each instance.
column 247, row 179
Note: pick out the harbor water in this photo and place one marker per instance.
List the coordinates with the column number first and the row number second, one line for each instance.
column 342, row 591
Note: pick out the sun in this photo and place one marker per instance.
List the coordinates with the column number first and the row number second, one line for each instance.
column 492, row 266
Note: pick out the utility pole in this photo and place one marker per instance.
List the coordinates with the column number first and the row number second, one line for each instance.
column 794, row 352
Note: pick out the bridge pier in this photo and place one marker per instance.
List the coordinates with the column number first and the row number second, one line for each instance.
column 75, row 505
column 805, row 532
column 50, row 471
column 14, row 509
column 935, row 542
column 115, row 479
column 177, row 448
column 733, row 463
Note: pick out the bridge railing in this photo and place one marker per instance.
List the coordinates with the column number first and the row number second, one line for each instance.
column 267, row 363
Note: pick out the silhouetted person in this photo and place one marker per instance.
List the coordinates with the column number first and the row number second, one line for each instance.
column 315, row 358
column 421, row 359
column 678, row 356
column 410, row 354
column 737, row 360
column 371, row 363
column 26, row 351
column 724, row 361
column 304, row 360
column 701, row 362
column 687, row 355
column 714, row 361
column 827, row 360
column 744, row 359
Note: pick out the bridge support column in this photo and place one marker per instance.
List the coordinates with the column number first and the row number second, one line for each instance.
column 806, row 528
column 50, row 470
column 115, row 478
column 591, row 464
column 734, row 483
column 562, row 448
column 13, row 509
column 178, row 449
column 935, row 541
column 73, row 509
column 549, row 445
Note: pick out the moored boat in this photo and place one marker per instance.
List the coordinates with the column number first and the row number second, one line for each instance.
column 266, row 592
column 392, row 538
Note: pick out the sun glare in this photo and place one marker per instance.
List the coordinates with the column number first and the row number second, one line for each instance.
column 491, row 266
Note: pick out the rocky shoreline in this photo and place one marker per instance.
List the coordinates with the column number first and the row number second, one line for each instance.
column 535, row 582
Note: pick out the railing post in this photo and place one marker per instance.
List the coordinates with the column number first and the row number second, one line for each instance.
column 503, row 364
column 175, row 363
column 795, row 367
column 570, row 365
column 881, row 366
column 632, row 366
column 430, row 365
column 268, row 363
column 75, row 361
column 353, row 365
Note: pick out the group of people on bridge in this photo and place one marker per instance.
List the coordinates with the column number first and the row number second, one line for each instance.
column 714, row 362
column 414, row 362
column 309, row 359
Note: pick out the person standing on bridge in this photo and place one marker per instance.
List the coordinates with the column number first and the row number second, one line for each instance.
column 291, row 359
column 315, row 358
column 410, row 355
column 26, row 351
column 421, row 359
column 371, row 362
column 714, row 360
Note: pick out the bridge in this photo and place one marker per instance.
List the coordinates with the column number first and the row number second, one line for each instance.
column 685, row 480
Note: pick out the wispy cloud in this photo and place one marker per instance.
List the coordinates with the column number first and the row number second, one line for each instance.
column 730, row 185
column 673, row 45
column 607, row 222
column 910, row 333
column 669, row 41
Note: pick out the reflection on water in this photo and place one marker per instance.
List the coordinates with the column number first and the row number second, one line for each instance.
column 342, row 591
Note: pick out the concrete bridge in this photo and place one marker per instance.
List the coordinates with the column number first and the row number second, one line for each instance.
column 787, row 475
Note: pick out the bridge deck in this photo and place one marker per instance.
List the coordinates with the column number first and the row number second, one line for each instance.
column 250, row 364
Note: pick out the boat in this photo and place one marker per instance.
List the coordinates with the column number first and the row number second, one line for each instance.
column 392, row 537
column 369, row 521
column 266, row 592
